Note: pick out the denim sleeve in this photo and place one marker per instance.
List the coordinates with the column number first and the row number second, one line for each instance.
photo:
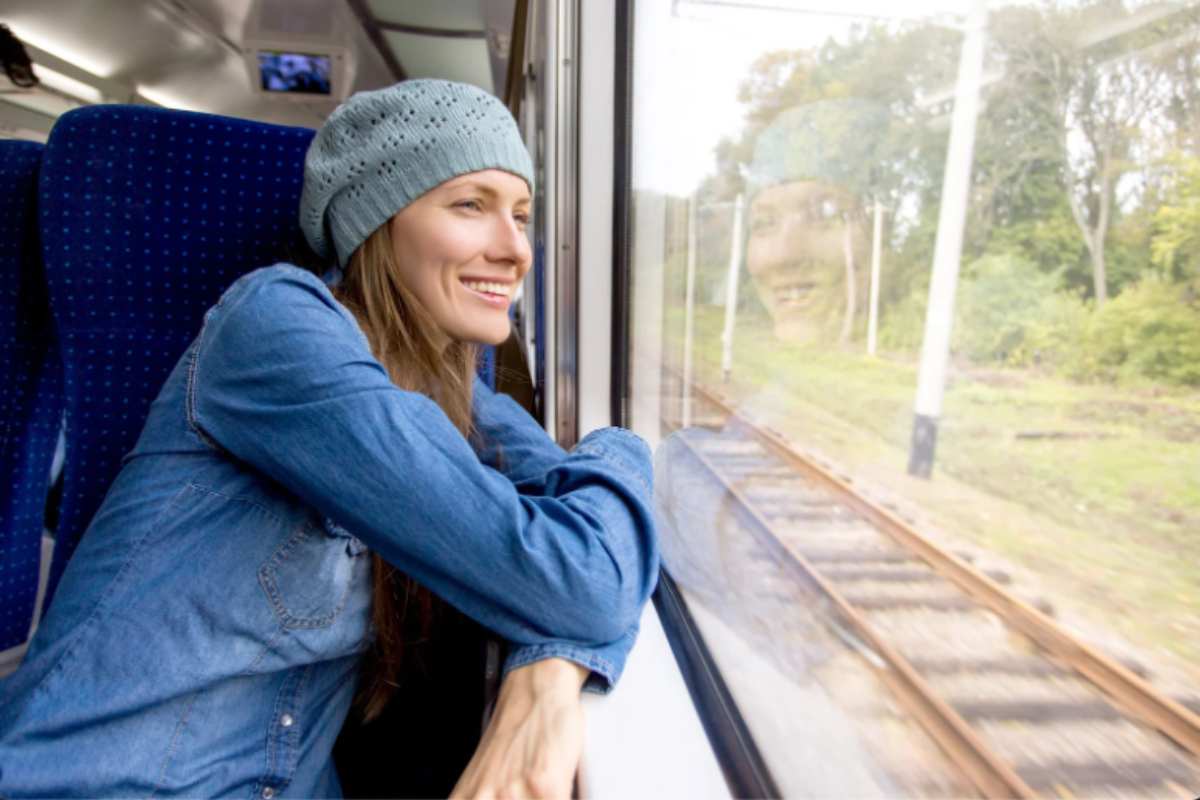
column 282, row 379
column 511, row 441
column 514, row 443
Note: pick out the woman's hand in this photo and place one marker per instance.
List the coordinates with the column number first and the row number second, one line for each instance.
column 532, row 745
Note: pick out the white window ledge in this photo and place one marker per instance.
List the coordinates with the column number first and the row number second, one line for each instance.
column 645, row 739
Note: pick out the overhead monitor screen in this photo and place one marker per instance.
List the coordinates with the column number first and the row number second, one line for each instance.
column 299, row 73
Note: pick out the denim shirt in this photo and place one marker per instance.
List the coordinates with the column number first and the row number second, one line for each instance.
column 207, row 635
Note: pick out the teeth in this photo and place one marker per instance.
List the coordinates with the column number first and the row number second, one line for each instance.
column 793, row 291
column 488, row 287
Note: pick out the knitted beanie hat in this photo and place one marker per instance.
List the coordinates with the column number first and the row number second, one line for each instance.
column 381, row 150
column 837, row 141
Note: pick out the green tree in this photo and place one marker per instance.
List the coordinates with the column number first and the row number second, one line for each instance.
column 1175, row 243
column 999, row 299
column 1090, row 90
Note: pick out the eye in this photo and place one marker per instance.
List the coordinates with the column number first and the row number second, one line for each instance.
column 522, row 218
column 472, row 204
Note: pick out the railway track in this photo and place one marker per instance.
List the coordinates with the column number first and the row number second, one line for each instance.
column 1019, row 706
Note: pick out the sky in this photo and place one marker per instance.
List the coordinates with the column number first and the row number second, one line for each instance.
column 690, row 57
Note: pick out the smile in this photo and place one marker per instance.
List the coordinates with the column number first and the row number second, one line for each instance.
column 493, row 293
column 794, row 295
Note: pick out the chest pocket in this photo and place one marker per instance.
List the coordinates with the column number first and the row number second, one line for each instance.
column 313, row 574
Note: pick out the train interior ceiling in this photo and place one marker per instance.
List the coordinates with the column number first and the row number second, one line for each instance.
column 905, row 297
column 193, row 55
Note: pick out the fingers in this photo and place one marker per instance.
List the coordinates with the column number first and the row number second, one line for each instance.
column 528, row 789
column 545, row 784
column 532, row 786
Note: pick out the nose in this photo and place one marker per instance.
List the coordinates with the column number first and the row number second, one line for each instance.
column 765, row 250
column 791, row 239
column 508, row 244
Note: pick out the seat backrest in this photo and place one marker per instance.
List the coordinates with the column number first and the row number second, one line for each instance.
column 30, row 391
column 147, row 215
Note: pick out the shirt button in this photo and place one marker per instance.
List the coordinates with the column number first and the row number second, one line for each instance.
column 287, row 720
column 268, row 792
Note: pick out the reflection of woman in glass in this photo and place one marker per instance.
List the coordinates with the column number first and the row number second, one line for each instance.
column 771, row 631
column 808, row 233
column 807, row 238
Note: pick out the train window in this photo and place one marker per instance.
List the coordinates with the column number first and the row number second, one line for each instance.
column 915, row 328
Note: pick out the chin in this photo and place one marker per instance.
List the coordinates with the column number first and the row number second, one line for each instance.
column 797, row 331
column 492, row 335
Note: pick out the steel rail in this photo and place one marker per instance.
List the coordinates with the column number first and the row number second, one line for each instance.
column 1123, row 688
column 993, row 777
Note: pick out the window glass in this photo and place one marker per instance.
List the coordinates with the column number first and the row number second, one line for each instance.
column 928, row 268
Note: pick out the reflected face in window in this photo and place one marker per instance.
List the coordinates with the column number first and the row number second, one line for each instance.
column 796, row 255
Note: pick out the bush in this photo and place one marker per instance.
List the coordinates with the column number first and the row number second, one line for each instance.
column 1149, row 331
column 999, row 299
column 1008, row 312
column 902, row 324
column 1054, row 339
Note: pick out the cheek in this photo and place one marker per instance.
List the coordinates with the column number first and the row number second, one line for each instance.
column 823, row 245
column 451, row 248
column 421, row 276
column 435, row 265
column 762, row 252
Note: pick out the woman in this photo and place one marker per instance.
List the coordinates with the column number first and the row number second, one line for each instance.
column 239, row 583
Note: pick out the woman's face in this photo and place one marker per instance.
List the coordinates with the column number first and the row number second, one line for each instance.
column 796, row 256
column 461, row 250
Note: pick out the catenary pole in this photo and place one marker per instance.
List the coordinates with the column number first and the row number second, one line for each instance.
column 689, row 314
column 731, row 289
column 939, row 316
column 876, row 257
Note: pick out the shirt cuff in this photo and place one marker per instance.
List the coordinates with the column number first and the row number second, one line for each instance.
column 622, row 448
column 606, row 662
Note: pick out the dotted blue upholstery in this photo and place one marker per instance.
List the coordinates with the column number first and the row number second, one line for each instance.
column 30, row 391
column 147, row 215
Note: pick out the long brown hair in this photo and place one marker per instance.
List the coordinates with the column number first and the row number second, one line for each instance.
column 403, row 338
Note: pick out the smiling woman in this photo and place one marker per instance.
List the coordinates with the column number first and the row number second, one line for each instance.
column 805, row 238
column 811, row 176
column 320, row 473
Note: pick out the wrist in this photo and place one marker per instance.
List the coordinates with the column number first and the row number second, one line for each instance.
column 549, row 676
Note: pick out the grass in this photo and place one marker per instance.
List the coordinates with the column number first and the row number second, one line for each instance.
column 1103, row 509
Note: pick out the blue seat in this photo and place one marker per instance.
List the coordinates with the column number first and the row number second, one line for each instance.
column 147, row 215
column 30, row 391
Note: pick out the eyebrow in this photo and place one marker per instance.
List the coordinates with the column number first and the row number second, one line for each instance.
column 486, row 190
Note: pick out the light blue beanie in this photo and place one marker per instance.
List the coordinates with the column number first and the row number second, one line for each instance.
column 834, row 140
column 381, row 150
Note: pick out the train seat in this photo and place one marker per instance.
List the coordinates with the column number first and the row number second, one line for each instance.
column 146, row 216
column 30, row 392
